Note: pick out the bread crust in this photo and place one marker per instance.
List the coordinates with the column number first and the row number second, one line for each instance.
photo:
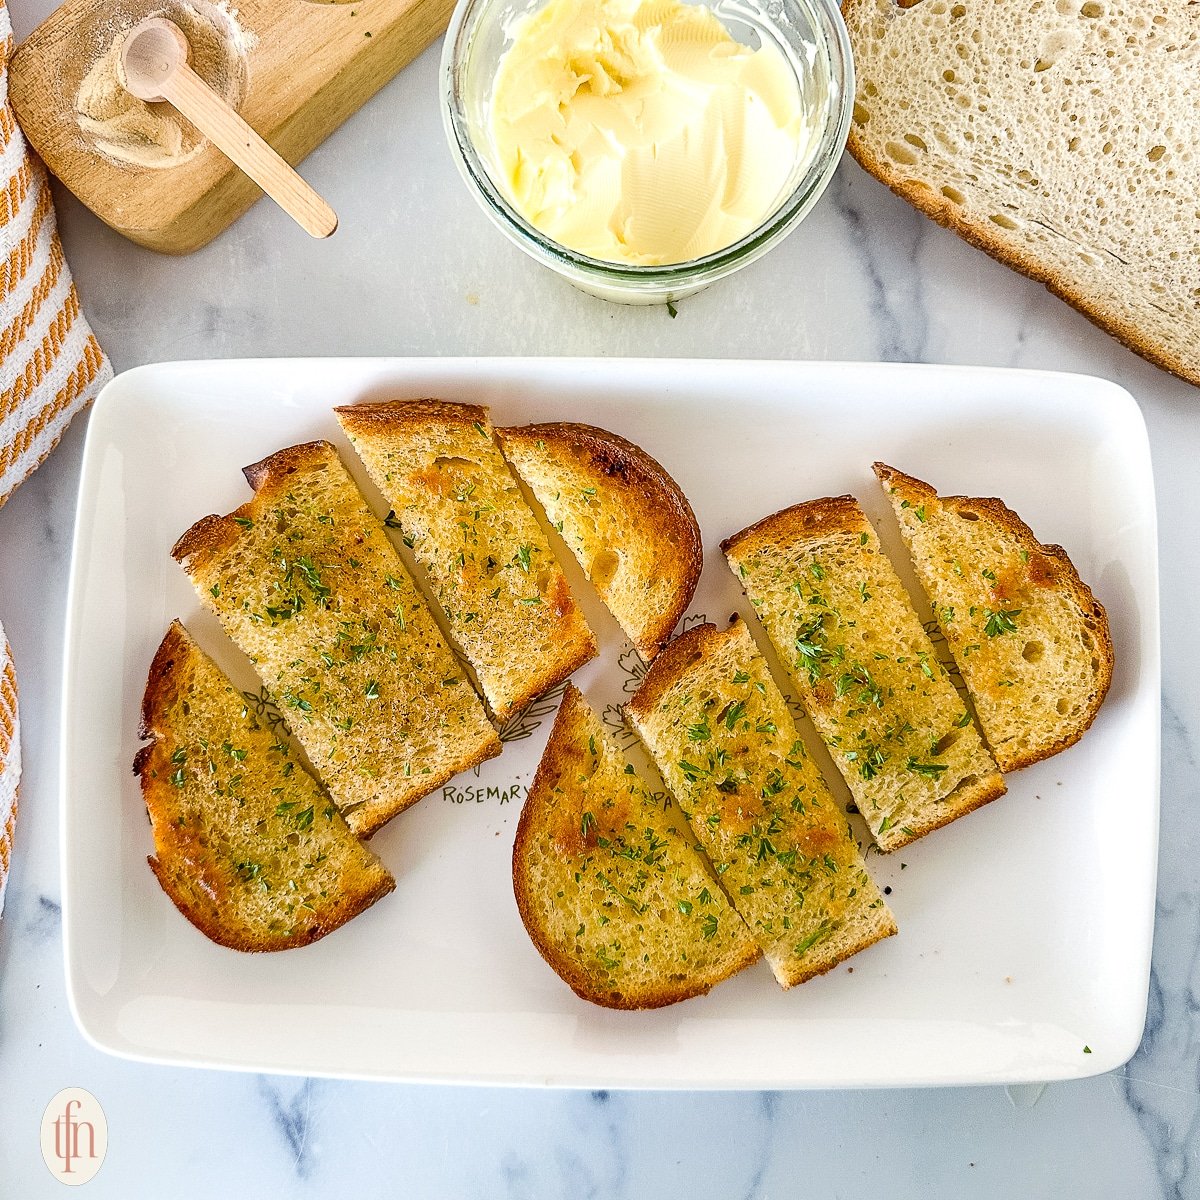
column 800, row 522
column 648, row 491
column 675, row 658
column 268, row 474
column 207, row 538
column 557, row 762
column 152, row 767
column 398, row 414
column 987, row 236
column 249, row 941
column 213, row 535
column 1061, row 575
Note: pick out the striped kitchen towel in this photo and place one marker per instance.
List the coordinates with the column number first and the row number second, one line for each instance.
column 51, row 365
column 10, row 759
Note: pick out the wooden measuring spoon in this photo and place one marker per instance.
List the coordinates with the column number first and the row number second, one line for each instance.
column 154, row 62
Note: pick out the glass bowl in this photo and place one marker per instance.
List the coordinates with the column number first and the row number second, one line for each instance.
column 808, row 33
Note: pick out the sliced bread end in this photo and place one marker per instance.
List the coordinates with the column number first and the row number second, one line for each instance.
column 609, row 885
column 248, row 847
column 623, row 517
column 1031, row 640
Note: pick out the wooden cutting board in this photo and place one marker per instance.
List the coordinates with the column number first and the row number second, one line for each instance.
column 308, row 66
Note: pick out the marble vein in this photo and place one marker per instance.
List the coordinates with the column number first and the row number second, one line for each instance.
column 1161, row 1085
column 292, row 1117
column 888, row 259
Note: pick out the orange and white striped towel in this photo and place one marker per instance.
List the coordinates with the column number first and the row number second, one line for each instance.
column 51, row 365
column 10, row 759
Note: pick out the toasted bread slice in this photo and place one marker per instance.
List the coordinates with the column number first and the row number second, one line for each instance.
column 246, row 843
column 721, row 734
column 490, row 566
column 305, row 581
column 611, row 888
column 1030, row 639
column 626, row 520
column 864, row 667
column 1058, row 137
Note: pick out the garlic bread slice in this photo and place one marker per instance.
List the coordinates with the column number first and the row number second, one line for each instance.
column 1030, row 639
column 506, row 601
column 305, row 581
column 721, row 733
column 247, row 844
column 864, row 668
column 609, row 883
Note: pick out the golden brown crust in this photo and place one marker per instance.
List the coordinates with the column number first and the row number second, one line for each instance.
column 210, row 536
column 558, row 761
column 865, row 941
column 1055, row 570
column 675, row 658
column 249, row 940
column 160, row 681
column 965, row 799
column 214, row 534
column 988, row 238
column 269, row 474
column 648, row 491
column 365, row 821
column 800, row 522
column 396, row 414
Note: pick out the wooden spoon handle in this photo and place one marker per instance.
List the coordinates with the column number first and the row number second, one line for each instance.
column 230, row 134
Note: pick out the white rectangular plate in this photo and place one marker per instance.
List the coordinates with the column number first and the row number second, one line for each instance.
column 1025, row 928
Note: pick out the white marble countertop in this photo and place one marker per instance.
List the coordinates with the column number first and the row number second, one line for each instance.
column 416, row 269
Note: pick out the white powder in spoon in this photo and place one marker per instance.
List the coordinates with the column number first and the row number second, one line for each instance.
column 130, row 131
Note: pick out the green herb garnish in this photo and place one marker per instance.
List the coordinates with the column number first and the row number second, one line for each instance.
column 1001, row 621
column 929, row 770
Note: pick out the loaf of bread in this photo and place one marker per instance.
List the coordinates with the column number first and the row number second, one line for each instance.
column 624, row 518
column 506, row 601
column 1059, row 136
column 609, row 884
column 721, row 733
column 864, row 668
column 247, row 844
column 305, row 582
column 1030, row 639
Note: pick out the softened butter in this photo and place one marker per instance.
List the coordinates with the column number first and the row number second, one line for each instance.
column 640, row 131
